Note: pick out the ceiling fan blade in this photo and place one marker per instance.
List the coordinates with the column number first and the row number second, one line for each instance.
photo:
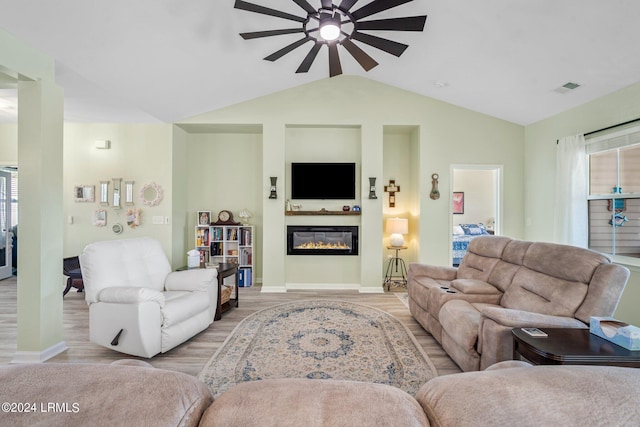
column 250, row 7
column 260, row 34
column 308, row 60
column 377, row 6
column 282, row 52
column 335, row 68
column 327, row 4
column 360, row 55
column 410, row 23
column 345, row 5
column 305, row 5
column 388, row 46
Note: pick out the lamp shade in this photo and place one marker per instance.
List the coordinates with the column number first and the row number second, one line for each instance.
column 397, row 227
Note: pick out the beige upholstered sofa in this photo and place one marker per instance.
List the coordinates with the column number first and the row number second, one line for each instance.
column 509, row 393
column 504, row 283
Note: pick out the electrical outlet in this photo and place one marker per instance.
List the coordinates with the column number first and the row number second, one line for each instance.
column 157, row 220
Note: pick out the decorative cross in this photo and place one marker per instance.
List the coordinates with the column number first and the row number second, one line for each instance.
column 392, row 190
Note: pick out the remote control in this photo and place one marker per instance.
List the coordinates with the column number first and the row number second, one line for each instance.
column 535, row 332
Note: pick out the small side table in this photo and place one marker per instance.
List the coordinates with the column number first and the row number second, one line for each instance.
column 568, row 346
column 224, row 270
column 396, row 270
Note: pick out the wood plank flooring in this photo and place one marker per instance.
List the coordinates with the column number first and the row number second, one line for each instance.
column 190, row 357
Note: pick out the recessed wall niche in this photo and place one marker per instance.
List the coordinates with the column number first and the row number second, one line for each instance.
column 339, row 144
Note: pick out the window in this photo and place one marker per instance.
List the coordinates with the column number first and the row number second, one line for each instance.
column 614, row 192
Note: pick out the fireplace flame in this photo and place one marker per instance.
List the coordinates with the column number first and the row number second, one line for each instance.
column 322, row 245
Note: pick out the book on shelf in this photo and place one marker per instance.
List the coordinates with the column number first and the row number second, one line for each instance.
column 244, row 277
column 245, row 237
column 202, row 237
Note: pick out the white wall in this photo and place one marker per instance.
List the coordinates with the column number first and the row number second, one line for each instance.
column 444, row 134
column 479, row 195
column 322, row 144
column 224, row 172
column 540, row 152
column 139, row 152
column 8, row 144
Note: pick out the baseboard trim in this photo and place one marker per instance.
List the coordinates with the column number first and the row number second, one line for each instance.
column 39, row 356
column 273, row 289
column 371, row 290
column 323, row 286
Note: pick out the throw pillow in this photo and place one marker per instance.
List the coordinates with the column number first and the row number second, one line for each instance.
column 474, row 229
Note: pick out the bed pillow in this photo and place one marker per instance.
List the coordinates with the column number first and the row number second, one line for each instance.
column 474, row 229
column 457, row 230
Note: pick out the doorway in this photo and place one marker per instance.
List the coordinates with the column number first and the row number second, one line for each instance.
column 476, row 193
column 5, row 225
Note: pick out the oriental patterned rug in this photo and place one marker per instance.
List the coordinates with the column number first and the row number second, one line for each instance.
column 320, row 340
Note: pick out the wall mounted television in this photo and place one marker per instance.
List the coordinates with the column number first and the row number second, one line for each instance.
column 323, row 181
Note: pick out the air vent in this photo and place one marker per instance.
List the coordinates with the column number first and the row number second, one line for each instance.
column 567, row 87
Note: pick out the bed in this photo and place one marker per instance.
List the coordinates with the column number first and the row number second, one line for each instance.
column 462, row 235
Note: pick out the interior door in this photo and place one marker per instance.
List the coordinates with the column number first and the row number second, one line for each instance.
column 5, row 225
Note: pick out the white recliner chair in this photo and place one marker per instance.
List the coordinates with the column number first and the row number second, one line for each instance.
column 137, row 305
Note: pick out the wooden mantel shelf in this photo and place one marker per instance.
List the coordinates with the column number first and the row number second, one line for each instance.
column 321, row 212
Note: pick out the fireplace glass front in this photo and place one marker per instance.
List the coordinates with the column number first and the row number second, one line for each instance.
column 322, row 240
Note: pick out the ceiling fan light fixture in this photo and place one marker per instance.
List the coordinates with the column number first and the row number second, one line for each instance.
column 329, row 26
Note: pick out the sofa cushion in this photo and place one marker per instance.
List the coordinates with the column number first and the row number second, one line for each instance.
column 460, row 319
column 304, row 402
column 542, row 293
column 565, row 262
column 102, row 395
column 472, row 286
column 534, row 396
column 141, row 262
column 482, row 255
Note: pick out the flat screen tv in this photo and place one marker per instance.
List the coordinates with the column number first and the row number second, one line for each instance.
column 330, row 181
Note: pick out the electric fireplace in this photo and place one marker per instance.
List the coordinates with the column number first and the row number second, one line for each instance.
column 322, row 240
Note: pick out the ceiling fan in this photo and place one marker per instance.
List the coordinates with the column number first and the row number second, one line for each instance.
column 334, row 26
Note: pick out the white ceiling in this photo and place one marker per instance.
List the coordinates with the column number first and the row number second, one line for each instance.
column 166, row 60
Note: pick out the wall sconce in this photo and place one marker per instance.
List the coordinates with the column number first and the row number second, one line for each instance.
column 397, row 227
column 103, row 144
column 273, row 194
column 372, row 188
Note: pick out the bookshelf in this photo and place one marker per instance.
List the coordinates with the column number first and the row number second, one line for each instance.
column 228, row 244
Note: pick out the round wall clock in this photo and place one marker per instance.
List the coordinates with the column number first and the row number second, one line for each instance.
column 225, row 217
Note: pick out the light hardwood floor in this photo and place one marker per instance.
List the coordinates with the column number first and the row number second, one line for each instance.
column 191, row 356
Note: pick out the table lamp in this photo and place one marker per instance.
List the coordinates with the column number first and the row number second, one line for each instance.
column 397, row 227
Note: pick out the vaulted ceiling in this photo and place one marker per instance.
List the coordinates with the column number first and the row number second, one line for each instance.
column 166, row 60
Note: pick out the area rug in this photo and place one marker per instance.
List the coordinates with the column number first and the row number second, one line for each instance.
column 403, row 297
column 320, row 340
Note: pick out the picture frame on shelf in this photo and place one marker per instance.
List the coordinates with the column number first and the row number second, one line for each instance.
column 204, row 218
column 458, row 202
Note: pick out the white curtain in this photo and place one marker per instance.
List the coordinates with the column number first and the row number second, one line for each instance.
column 571, row 209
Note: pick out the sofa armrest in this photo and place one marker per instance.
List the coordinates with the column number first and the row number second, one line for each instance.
column 122, row 295
column 473, row 286
column 520, row 318
column 433, row 271
column 198, row 279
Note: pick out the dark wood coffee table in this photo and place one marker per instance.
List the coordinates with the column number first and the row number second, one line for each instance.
column 568, row 346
